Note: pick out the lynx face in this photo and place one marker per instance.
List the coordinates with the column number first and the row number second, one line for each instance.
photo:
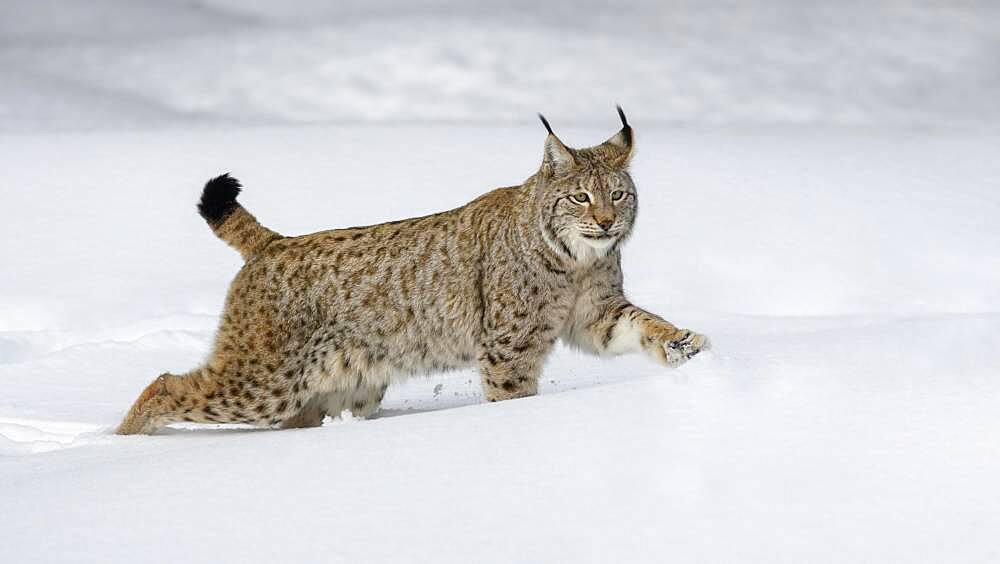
column 587, row 199
column 595, row 207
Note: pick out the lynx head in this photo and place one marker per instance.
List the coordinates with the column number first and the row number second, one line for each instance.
column 586, row 199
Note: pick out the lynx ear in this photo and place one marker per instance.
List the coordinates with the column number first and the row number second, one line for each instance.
column 620, row 147
column 558, row 158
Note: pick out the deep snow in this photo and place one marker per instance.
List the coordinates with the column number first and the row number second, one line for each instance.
column 848, row 278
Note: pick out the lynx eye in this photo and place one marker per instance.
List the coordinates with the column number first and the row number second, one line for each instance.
column 581, row 197
column 617, row 195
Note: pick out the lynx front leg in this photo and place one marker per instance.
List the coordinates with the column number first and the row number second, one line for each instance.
column 604, row 322
column 663, row 341
column 504, row 375
column 620, row 327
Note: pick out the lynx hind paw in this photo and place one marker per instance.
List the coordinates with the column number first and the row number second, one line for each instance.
column 679, row 351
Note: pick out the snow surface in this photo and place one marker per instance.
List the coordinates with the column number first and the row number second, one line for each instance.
column 849, row 280
column 828, row 213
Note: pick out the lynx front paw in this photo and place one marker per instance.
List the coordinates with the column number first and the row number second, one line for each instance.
column 678, row 351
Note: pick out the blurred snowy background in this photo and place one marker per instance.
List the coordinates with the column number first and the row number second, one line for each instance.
column 819, row 193
column 135, row 63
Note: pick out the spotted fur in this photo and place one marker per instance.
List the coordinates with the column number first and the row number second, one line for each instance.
column 321, row 323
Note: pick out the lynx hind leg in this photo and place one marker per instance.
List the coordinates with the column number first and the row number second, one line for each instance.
column 153, row 408
column 311, row 415
column 168, row 399
column 227, row 396
column 362, row 402
column 366, row 400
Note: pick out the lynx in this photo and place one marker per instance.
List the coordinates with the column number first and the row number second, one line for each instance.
column 321, row 323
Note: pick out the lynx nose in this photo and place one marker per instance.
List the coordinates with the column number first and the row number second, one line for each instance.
column 605, row 223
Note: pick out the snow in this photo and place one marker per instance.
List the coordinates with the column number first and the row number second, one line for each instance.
column 828, row 214
column 847, row 411
column 895, row 62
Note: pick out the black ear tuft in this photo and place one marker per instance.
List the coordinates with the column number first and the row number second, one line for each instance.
column 218, row 199
column 545, row 122
column 621, row 114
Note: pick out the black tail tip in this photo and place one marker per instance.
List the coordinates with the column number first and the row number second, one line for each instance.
column 218, row 200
